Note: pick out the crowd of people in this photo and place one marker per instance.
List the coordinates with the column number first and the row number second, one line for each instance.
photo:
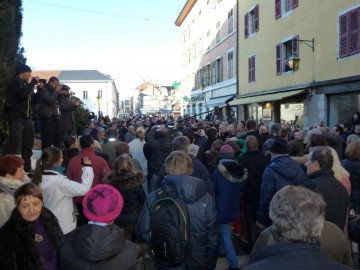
column 284, row 193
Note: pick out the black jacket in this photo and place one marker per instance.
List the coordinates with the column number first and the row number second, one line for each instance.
column 17, row 241
column 130, row 186
column 67, row 108
column 101, row 247
column 204, row 230
column 49, row 105
column 334, row 193
column 19, row 98
column 291, row 256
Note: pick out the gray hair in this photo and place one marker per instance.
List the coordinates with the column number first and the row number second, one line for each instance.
column 298, row 214
column 352, row 138
column 323, row 156
column 181, row 143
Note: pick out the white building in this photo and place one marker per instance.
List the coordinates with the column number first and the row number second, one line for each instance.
column 96, row 90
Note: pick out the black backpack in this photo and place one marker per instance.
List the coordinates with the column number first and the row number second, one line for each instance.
column 169, row 230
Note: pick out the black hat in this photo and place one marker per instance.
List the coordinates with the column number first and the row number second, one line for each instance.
column 22, row 68
column 65, row 87
column 278, row 146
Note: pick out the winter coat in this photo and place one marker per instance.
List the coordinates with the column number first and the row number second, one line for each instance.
column 137, row 152
column 109, row 149
column 101, row 247
column 281, row 171
column 67, row 108
column 228, row 181
column 19, row 98
column 204, row 231
column 255, row 162
column 49, row 107
column 353, row 167
column 7, row 203
column 17, row 241
column 298, row 256
column 334, row 193
column 58, row 192
column 68, row 154
column 198, row 170
column 99, row 165
column 130, row 186
column 333, row 243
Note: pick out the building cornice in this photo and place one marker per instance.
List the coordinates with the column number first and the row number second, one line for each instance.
column 184, row 12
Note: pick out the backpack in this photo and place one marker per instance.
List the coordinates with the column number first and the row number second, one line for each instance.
column 169, row 229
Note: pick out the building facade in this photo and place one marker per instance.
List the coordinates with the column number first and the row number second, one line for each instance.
column 324, row 39
column 208, row 53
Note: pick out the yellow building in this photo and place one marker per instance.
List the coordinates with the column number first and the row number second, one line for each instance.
column 323, row 37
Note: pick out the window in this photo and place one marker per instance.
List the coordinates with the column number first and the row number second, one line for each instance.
column 99, row 94
column 283, row 53
column 85, row 95
column 217, row 40
column 230, row 64
column 218, row 70
column 284, row 6
column 230, row 22
column 252, row 68
column 208, row 75
column 251, row 22
column 349, row 36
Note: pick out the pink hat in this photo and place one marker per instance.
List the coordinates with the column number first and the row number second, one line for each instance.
column 227, row 152
column 103, row 203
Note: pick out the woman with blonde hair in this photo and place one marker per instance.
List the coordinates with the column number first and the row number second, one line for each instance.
column 340, row 172
column 128, row 181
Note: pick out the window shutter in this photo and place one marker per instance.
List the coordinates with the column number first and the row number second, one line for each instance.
column 249, row 68
column 343, row 46
column 277, row 9
column 213, row 79
column 246, row 26
column 295, row 3
column 354, row 31
column 221, row 69
column 295, row 46
column 257, row 18
column 253, row 68
column 278, row 59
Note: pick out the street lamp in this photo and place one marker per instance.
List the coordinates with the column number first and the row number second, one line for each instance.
column 294, row 61
column 98, row 100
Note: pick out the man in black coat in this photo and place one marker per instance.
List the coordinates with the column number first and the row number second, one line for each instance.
column 18, row 109
column 255, row 162
column 320, row 178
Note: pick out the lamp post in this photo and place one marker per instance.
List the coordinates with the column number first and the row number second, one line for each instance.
column 98, row 100
column 294, row 60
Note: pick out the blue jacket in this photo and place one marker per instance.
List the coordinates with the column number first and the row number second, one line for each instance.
column 204, row 231
column 228, row 181
column 281, row 171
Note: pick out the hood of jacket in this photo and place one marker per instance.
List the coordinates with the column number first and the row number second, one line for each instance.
column 9, row 185
column 232, row 171
column 97, row 243
column 188, row 188
column 286, row 167
column 124, row 180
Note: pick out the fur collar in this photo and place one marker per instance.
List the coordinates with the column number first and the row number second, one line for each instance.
column 232, row 171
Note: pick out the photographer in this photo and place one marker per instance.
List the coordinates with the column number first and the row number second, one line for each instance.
column 67, row 108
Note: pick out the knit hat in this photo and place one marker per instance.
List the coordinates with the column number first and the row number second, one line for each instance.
column 227, row 152
column 22, row 68
column 103, row 203
column 122, row 148
column 278, row 146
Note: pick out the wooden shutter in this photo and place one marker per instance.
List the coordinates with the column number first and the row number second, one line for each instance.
column 354, row 31
column 256, row 18
column 343, row 46
column 278, row 59
column 295, row 46
column 295, row 3
column 277, row 9
column 246, row 25
column 221, row 69
column 253, row 68
column 249, row 69
column 212, row 76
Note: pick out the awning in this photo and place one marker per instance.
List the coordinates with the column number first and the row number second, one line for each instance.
column 221, row 101
column 264, row 98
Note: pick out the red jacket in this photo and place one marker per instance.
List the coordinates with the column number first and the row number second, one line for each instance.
column 74, row 169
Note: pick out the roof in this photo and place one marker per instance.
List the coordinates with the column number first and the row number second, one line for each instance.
column 184, row 12
column 83, row 75
column 72, row 75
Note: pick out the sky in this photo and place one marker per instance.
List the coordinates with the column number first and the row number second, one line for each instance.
column 130, row 40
